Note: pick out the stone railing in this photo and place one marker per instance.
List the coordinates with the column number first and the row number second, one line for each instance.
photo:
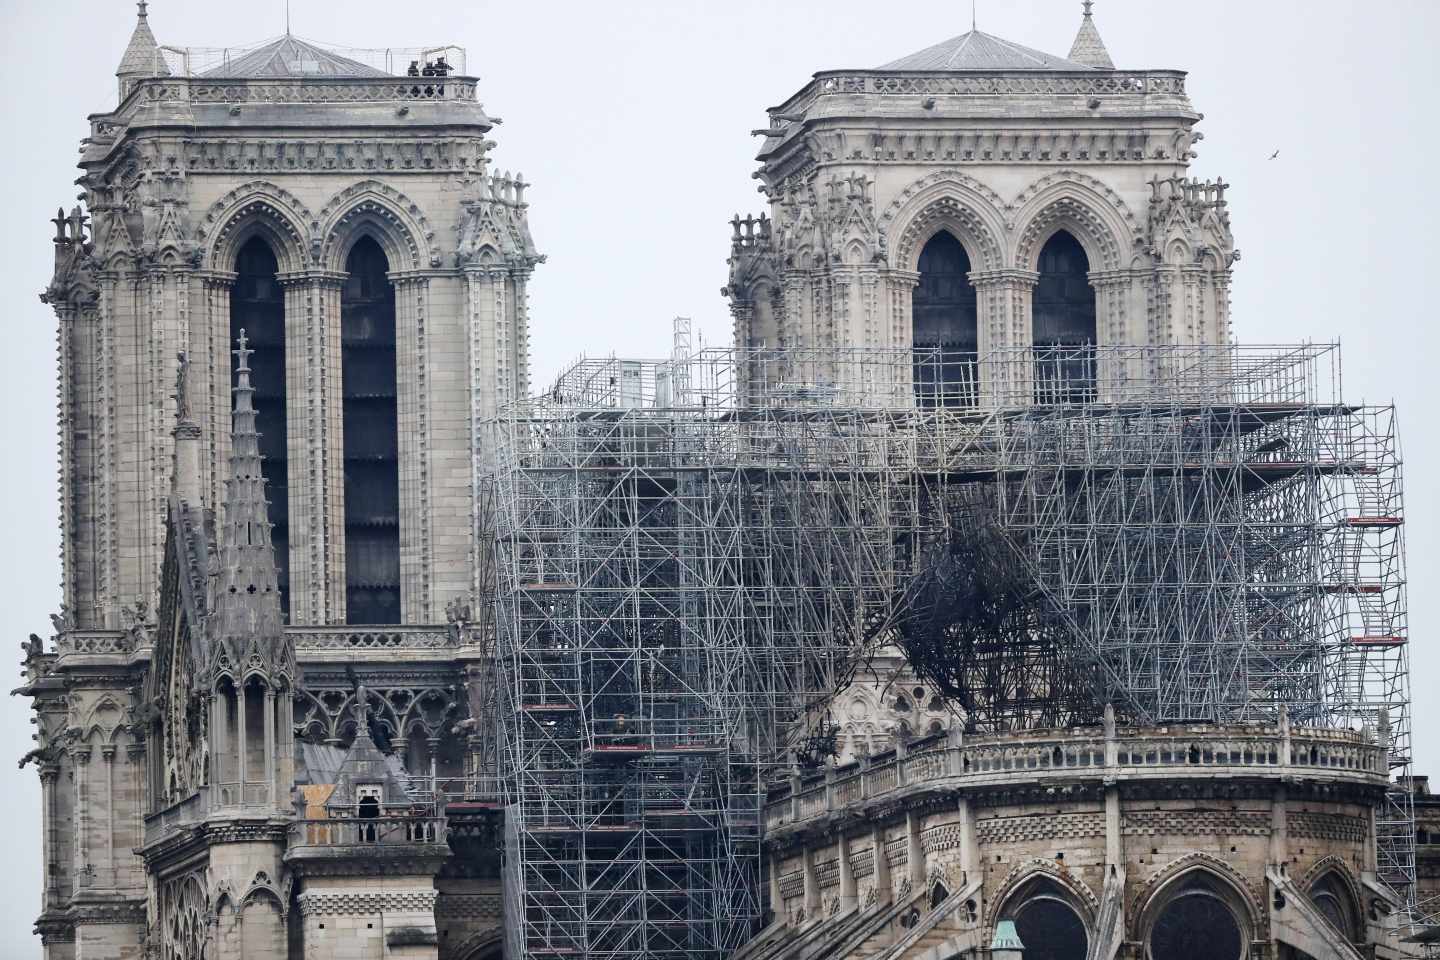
column 177, row 816
column 368, row 832
column 1169, row 83
column 1179, row 752
column 94, row 642
column 306, row 90
column 348, row 638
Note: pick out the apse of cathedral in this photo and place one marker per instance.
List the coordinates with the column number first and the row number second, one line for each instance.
column 985, row 599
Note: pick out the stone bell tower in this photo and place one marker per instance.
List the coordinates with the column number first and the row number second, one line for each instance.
column 979, row 198
column 347, row 215
column 338, row 211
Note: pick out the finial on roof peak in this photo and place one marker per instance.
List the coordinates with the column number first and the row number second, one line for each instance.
column 242, row 355
column 1088, row 48
column 142, row 4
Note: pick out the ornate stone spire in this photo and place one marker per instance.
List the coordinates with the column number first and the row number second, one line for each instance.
column 1088, row 48
column 142, row 57
column 247, row 629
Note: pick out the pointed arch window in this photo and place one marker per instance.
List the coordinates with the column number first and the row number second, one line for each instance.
column 1047, row 922
column 257, row 306
column 372, row 471
column 1064, row 324
column 944, row 323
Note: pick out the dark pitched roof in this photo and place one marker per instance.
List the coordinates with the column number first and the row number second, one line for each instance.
column 365, row 764
column 981, row 51
column 290, row 56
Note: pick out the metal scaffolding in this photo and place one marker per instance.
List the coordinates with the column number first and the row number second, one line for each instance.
column 693, row 554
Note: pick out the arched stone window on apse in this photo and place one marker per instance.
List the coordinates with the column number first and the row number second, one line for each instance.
column 944, row 323
column 371, row 437
column 1064, row 323
column 1194, row 902
column 1333, row 898
column 257, row 306
column 1048, row 920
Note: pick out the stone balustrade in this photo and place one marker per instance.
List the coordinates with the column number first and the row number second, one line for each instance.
column 350, row 638
column 1109, row 83
column 1175, row 752
column 308, row 640
column 304, row 90
column 372, row 831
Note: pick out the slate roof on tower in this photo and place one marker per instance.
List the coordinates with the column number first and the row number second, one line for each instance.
column 1088, row 48
column 142, row 57
column 290, row 56
column 982, row 51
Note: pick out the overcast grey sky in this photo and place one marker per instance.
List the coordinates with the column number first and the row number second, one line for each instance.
column 632, row 121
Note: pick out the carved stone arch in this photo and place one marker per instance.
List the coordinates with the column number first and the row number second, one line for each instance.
column 761, row 275
column 1156, row 890
column 485, row 945
column 371, row 208
column 95, row 723
column 312, row 718
column 256, row 208
column 952, row 202
column 1332, row 864
column 262, row 891
column 1027, row 872
column 382, row 712
column 1336, row 867
column 1090, row 210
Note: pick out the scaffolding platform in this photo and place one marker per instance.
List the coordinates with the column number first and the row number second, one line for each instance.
column 712, row 540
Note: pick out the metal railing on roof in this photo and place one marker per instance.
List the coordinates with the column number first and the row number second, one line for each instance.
column 395, row 61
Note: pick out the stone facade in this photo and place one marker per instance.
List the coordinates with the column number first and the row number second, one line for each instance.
column 862, row 168
column 226, row 777
column 925, row 848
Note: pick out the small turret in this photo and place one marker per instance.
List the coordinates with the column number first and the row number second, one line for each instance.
column 142, row 57
column 1088, row 48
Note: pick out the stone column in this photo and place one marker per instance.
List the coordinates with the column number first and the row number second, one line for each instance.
column 135, row 755
column 915, row 852
column 219, row 743
column 848, row 898
column 901, row 287
column 80, row 755
column 210, row 365
column 272, row 785
column 1114, row 828
column 107, row 872
column 242, row 742
column 50, row 889
column 969, row 845
column 812, row 884
column 315, row 445
column 884, row 890
column 415, row 414
column 486, row 301
column 1006, row 331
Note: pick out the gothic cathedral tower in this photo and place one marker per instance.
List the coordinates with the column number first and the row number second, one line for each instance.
column 981, row 199
column 348, row 220
column 337, row 215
